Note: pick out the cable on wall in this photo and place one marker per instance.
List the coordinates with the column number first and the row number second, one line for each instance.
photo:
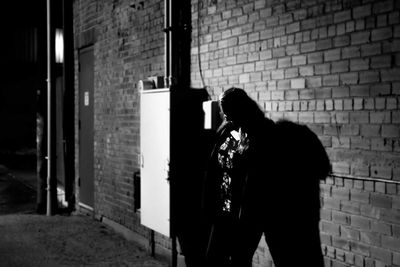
column 198, row 42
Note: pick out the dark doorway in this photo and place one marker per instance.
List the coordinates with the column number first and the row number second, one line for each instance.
column 86, row 151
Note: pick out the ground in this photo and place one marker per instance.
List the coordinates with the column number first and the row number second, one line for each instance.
column 29, row 239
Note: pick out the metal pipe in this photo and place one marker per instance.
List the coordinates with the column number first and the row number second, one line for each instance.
column 68, row 112
column 360, row 178
column 167, row 42
column 170, row 51
column 50, row 119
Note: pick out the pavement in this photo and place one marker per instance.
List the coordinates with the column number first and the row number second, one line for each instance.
column 30, row 239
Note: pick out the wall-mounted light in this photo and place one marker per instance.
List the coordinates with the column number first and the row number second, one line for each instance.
column 59, row 46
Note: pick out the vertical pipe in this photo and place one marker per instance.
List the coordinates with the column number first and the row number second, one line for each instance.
column 48, row 208
column 50, row 116
column 69, row 104
column 169, row 82
column 170, row 51
column 166, row 43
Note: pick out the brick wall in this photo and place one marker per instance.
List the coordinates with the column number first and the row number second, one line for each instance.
column 335, row 66
column 128, row 44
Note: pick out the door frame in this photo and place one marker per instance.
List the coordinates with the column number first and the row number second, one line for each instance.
column 86, row 151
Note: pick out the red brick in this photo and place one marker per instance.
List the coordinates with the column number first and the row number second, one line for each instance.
column 292, row 28
column 379, row 144
column 299, row 60
column 370, row 130
column 359, row 196
column 342, row 16
column 324, row 44
column 339, row 92
column 360, row 37
column 330, row 80
column 360, row 91
column 271, row 64
column 306, row 117
column 291, row 95
column 322, row 117
column 380, row 117
column 308, row 47
column 340, row 66
column 291, row 73
column 390, row 74
column 379, row 171
column 350, row 25
column 381, row 254
column 284, row 62
column 283, row 84
column 298, row 83
column 360, row 143
column 307, row 94
column 360, row 222
column 278, row 52
column 330, row 228
column 380, row 89
column 350, row 130
column 380, row 227
column 361, row 11
column 332, row 55
column 341, row 41
column 349, row 78
column 341, row 167
column 381, row 34
column 322, row 68
column 292, row 50
column 390, row 216
column 369, row 76
column 381, row 201
column 392, row 131
column 308, row 24
column 277, row 74
column 277, row 95
column 306, row 70
column 316, row 57
column 370, row 238
column 359, row 64
column 313, row 82
column 350, row 52
column 382, row 6
column 360, row 169
column 360, row 248
column 371, row 49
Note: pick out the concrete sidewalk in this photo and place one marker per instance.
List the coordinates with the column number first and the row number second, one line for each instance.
column 28, row 239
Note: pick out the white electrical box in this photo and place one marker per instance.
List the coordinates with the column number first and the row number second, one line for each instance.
column 173, row 145
column 212, row 117
column 155, row 158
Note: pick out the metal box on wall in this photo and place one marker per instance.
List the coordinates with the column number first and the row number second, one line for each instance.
column 155, row 157
column 174, row 149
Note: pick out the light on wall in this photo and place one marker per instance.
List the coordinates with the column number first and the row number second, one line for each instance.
column 59, row 46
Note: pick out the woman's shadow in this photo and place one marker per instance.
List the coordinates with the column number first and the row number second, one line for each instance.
column 293, row 197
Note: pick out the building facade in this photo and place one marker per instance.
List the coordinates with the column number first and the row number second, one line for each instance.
column 332, row 65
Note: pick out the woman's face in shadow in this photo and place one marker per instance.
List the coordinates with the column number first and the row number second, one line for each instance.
column 232, row 115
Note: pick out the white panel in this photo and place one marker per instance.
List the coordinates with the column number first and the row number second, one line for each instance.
column 211, row 114
column 155, row 151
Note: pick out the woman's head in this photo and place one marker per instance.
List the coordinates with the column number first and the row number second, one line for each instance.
column 238, row 108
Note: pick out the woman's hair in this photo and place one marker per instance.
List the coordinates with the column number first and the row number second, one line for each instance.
column 239, row 107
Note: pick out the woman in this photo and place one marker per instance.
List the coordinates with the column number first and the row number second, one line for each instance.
column 232, row 188
column 263, row 177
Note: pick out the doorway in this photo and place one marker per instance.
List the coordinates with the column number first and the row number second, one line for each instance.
column 86, row 133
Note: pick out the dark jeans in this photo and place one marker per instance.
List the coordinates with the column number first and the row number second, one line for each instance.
column 293, row 242
column 230, row 245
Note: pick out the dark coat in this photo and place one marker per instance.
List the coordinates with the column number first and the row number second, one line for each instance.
column 280, row 195
column 247, row 193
